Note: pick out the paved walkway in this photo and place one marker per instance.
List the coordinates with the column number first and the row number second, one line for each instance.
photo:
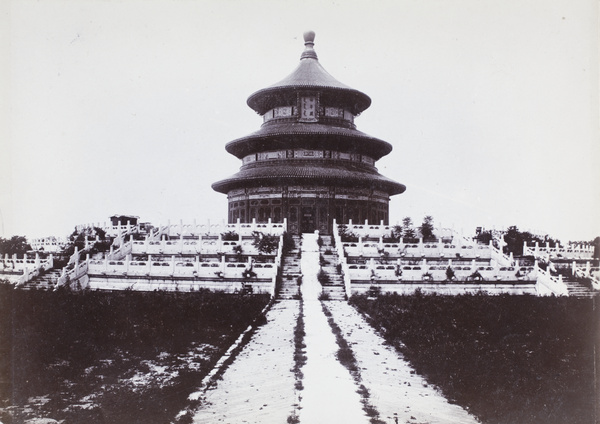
column 329, row 394
column 258, row 387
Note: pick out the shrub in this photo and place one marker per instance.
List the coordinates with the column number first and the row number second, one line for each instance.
column 324, row 295
column 265, row 243
column 230, row 236
column 476, row 276
column 320, row 241
column 323, row 277
column 345, row 235
column 288, row 242
column 374, row 291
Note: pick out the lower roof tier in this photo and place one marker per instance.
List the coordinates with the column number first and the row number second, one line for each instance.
column 284, row 173
column 310, row 136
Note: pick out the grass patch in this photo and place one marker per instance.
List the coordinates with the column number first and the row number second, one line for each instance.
column 299, row 348
column 507, row 359
column 299, row 359
column 111, row 357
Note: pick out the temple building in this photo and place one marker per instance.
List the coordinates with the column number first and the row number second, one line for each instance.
column 308, row 163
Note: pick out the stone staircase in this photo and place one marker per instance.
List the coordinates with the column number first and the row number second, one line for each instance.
column 289, row 288
column 334, row 289
column 577, row 289
column 46, row 281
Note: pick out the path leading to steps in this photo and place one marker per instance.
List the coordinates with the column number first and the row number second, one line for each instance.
column 330, row 393
column 259, row 386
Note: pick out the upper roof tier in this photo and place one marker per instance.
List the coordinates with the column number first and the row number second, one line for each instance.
column 309, row 75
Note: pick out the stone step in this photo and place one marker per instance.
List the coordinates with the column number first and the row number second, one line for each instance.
column 334, row 293
column 576, row 289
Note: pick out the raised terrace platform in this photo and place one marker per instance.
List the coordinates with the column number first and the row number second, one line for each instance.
column 372, row 261
column 357, row 258
column 183, row 257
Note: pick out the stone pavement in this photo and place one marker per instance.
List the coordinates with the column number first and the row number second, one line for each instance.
column 329, row 394
column 259, row 386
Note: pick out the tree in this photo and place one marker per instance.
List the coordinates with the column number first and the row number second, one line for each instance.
column 427, row 228
column 484, row 237
column 16, row 244
column 514, row 240
column 396, row 232
column 407, row 225
column 96, row 238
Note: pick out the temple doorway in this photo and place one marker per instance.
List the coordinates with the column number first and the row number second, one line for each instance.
column 307, row 222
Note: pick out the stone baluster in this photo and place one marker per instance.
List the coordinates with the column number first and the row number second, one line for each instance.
column 219, row 243
column 587, row 268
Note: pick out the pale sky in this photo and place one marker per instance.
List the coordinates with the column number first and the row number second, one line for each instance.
column 125, row 107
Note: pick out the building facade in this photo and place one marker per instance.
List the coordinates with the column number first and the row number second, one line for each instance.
column 308, row 162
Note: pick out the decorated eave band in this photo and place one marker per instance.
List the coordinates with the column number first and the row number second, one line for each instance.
column 307, row 154
column 308, row 136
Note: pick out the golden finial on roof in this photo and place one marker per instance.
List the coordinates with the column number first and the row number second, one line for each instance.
column 309, row 42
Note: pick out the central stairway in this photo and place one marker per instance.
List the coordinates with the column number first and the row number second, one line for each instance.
column 291, row 272
column 333, row 286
